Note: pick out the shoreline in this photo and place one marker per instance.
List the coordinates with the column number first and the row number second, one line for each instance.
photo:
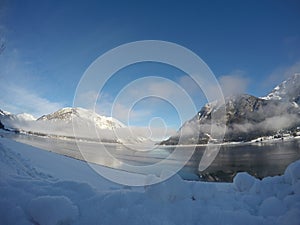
column 257, row 141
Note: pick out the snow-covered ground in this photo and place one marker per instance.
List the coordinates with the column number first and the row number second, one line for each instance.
column 40, row 187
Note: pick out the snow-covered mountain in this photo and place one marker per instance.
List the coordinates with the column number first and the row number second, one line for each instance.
column 60, row 124
column 12, row 121
column 62, row 117
column 288, row 90
column 69, row 114
column 3, row 113
column 21, row 117
column 247, row 117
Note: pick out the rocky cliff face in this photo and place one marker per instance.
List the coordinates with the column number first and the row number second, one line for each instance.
column 246, row 117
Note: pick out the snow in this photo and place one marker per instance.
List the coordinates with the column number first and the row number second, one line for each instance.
column 290, row 218
column 62, row 209
column 61, row 123
column 286, row 90
column 85, row 124
column 272, row 207
column 4, row 113
column 243, row 181
column 40, row 187
column 25, row 116
column 292, row 173
column 80, row 114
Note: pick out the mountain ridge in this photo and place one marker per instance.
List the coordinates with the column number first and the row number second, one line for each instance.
column 60, row 124
column 69, row 113
column 247, row 117
column 288, row 90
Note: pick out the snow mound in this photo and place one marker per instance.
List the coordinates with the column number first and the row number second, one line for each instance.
column 290, row 218
column 272, row 207
column 296, row 188
column 52, row 210
column 292, row 173
column 243, row 181
column 204, row 192
column 172, row 190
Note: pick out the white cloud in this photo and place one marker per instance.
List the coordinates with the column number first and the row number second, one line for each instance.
column 20, row 88
column 161, row 89
column 144, row 97
column 234, row 83
column 119, row 110
column 18, row 94
column 86, row 99
column 151, row 86
column 125, row 113
column 18, row 99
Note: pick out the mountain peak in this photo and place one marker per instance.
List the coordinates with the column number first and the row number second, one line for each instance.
column 68, row 114
column 247, row 117
column 61, row 114
column 288, row 90
column 20, row 116
column 4, row 113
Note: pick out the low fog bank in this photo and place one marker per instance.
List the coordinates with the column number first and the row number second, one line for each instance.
column 87, row 130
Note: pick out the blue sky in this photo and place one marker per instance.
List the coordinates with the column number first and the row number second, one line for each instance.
column 249, row 45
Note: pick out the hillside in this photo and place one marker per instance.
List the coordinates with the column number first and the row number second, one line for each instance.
column 247, row 117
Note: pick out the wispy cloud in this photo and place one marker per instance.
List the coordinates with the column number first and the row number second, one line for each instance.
column 18, row 87
column 281, row 73
column 119, row 110
column 234, row 83
column 143, row 99
column 18, row 99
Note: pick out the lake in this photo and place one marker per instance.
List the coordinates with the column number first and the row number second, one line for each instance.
column 258, row 159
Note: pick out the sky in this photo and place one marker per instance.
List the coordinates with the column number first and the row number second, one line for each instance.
column 250, row 46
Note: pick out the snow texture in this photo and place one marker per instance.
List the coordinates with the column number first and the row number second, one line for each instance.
column 50, row 210
column 243, row 181
column 40, row 187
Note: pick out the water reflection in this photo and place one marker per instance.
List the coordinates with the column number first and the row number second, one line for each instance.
column 259, row 159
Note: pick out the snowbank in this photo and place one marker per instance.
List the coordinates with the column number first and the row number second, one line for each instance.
column 48, row 210
column 39, row 187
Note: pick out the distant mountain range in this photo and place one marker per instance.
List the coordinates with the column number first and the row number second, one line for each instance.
column 60, row 124
column 7, row 119
column 247, row 117
column 64, row 115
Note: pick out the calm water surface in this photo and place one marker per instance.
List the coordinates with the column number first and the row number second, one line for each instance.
column 258, row 159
